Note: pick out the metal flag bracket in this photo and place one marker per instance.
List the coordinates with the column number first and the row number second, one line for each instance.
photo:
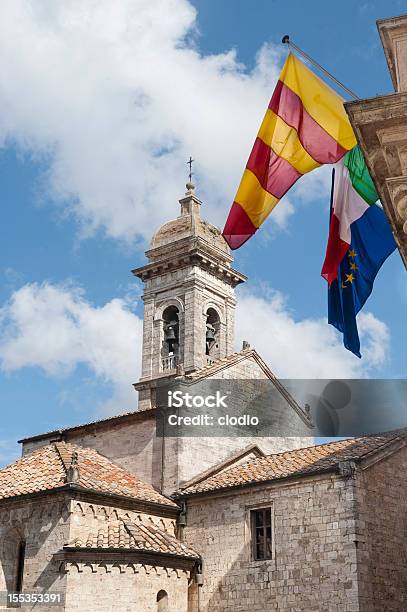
column 286, row 41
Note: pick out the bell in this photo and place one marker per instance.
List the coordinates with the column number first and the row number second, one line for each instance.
column 170, row 334
column 210, row 334
column 182, row 520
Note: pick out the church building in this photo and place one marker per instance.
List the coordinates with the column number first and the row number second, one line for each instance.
column 110, row 517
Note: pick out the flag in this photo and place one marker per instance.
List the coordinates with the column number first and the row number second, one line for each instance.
column 353, row 193
column 305, row 125
column 360, row 240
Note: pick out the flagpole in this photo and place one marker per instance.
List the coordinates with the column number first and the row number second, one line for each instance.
column 286, row 41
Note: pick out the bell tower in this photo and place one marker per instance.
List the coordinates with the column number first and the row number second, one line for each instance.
column 189, row 298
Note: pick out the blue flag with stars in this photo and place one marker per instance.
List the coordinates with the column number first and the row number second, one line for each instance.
column 371, row 243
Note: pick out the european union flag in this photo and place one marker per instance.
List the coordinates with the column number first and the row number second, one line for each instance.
column 371, row 243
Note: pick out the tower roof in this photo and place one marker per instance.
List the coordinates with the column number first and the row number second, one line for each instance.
column 189, row 225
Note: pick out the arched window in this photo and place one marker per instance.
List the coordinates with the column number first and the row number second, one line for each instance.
column 212, row 334
column 20, row 566
column 12, row 557
column 162, row 601
column 170, row 346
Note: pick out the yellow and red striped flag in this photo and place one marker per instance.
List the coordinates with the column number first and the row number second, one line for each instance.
column 305, row 126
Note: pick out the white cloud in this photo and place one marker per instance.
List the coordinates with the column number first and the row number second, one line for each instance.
column 56, row 329
column 115, row 96
column 307, row 348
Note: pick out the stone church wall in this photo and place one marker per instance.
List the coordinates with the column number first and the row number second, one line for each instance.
column 119, row 586
column 47, row 524
column 134, row 446
column 124, row 588
column 131, row 444
column 44, row 526
column 314, row 564
column 382, row 534
column 198, row 454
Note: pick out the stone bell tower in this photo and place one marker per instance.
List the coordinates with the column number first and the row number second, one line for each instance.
column 189, row 298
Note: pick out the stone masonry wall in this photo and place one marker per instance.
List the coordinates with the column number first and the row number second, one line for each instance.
column 134, row 445
column 124, row 588
column 197, row 454
column 44, row 525
column 131, row 444
column 314, row 564
column 47, row 524
column 382, row 534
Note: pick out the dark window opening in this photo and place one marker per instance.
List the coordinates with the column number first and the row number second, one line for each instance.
column 20, row 567
column 171, row 331
column 261, row 530
column 162, row 601
column 212, row 331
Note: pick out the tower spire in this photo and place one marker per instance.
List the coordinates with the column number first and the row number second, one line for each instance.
column 190, row 186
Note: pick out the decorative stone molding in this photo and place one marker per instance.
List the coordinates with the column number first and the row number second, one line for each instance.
column 397, row 187
column 380, row 126
column 210, row 304
column 173, row 301
column 79, row 567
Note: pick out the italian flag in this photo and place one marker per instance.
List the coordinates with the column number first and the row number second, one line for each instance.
column 353, row 195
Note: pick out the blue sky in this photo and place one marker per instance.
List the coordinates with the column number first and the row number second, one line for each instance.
column 93, row 157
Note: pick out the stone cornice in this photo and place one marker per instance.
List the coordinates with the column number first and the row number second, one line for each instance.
column 183, row 246
column 76, row 492
column 122, row 556
column 381, row 108
column 195, row 256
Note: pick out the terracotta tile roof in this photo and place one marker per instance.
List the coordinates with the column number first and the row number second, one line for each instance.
column 47, row 468
column 134, row 536
column 299, row 462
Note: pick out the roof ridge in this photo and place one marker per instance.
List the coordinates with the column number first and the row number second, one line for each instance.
column 229, row 462
column 222, row 360
column 338, row 441
column 325, row 444
column 62, row 430
column 60, row 455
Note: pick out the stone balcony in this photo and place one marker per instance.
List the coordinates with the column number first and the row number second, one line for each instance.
column 169, row 363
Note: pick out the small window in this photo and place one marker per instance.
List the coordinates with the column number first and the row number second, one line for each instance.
column 20, row 567
column 261, row 534
column 162, row 601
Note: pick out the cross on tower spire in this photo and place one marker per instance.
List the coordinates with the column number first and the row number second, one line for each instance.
column 189, row 163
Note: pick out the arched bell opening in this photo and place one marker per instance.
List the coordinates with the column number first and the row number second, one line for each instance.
column 170, row 343
column 212, row 348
